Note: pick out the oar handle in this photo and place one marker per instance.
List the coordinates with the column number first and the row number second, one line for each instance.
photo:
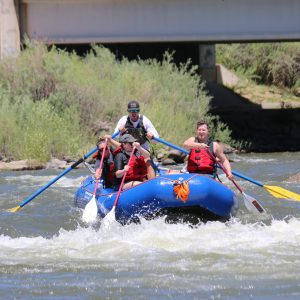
column 171, row 145
column 223, row 169
column 247, row 178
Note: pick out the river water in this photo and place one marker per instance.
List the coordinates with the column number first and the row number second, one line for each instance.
column 47, row 252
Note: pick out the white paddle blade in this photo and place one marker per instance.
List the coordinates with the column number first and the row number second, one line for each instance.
column 109, row 218
column 253, row 205
column 90, row 211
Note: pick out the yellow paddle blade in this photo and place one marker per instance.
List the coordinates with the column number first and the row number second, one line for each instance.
column 14, row 209
column 279, row 192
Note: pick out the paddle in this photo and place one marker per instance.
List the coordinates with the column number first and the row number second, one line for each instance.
column 275, row 191
column 251, row 203
column 73, row 166
column 91, row 210
column 111, row 216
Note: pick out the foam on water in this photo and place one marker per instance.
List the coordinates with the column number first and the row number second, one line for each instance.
column 255, row 159
column 46, row 254
column 155, row 239
column 33, row 180
column 260, row 160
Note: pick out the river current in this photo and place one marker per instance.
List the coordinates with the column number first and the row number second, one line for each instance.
column 47, row 252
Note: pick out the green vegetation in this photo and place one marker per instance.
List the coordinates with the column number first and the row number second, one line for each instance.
column 268, row 63
column 275, row 65
column 51, row 101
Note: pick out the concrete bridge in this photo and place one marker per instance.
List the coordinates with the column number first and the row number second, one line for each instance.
column 200, row 23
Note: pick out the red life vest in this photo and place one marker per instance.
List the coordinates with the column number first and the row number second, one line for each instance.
column 98, row 154
column 109, row 178
column 199, row 161
column 138, row 167
column 116, row 151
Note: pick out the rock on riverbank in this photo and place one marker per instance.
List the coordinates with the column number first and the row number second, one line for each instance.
column 21, row 165
column 165, row 156
column 295, row 178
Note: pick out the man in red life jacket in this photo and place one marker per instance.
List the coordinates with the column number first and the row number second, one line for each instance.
column 199, row 160
column 138, row 169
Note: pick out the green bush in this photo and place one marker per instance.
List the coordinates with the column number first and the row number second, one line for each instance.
column 266, row 63
column 8, row 126
column 33, row 130
column 52, row 101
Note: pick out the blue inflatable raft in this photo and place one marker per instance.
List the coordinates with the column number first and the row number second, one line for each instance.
column 208, row 199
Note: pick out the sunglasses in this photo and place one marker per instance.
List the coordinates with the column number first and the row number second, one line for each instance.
column 134, row 111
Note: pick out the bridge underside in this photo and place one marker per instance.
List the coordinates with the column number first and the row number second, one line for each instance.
column 147, row 28
column 131, row 21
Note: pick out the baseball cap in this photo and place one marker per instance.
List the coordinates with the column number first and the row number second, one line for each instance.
column 127, row 138
column 133, row 106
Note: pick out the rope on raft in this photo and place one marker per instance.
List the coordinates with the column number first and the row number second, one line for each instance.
column 182, row 190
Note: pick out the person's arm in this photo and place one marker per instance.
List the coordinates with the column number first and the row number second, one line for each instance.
column 151, row 131
column 97, row 164
column 111, row 141
column 120, row 168
column 121, row 124
column 142, row 151
column 190, row 143
column 98, row 173
column 218, row 150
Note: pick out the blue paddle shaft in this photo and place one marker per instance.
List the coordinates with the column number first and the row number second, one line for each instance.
column 62, row 174
column 171, row 145
column 247, row 178
column 187, row 152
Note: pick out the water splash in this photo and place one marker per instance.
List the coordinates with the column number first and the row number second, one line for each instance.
column 156, row 238
column 34, row 180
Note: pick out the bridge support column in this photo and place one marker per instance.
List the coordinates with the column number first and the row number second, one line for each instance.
column 9, row 29
column 207, row 62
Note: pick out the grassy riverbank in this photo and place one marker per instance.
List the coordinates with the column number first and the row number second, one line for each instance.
column 269, row 72
column 54, row 103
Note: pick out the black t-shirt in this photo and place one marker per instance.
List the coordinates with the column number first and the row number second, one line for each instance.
column 120, row 161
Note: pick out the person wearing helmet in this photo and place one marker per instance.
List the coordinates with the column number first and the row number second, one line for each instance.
column 138, row 169
column 137, row 125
